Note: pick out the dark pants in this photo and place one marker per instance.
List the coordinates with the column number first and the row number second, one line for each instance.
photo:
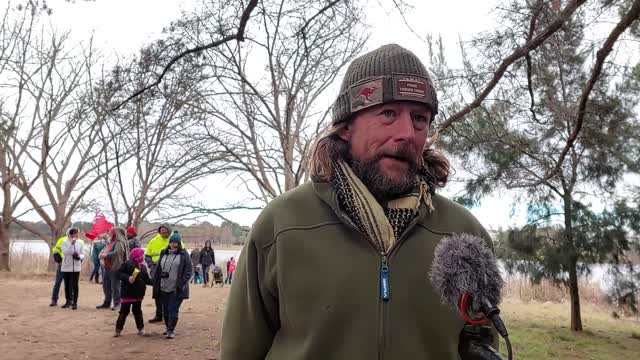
column 96, row 271
column 56, row 285
column 229, row 277
column 170, row 307
column 71, row 287
column 125, row 308
column 111, row 287
column 158, row 308
column 152, row 272
column 205, row 273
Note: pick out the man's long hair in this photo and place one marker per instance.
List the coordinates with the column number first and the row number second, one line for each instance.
column 120, row 234
column 331, row 147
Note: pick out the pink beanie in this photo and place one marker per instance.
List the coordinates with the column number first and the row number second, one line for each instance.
column 137, row 255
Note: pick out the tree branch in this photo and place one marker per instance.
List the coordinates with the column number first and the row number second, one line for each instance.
column 303, row 29
column 517, row 54
column 239, row 36
column 632, row 15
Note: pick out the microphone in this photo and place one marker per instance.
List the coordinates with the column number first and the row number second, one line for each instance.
column 465, row 273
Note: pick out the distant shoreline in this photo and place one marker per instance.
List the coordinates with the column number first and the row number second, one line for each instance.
column 188, row 244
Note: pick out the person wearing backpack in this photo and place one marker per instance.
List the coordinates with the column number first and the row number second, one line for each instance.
column 57, row 257
column 134, row 278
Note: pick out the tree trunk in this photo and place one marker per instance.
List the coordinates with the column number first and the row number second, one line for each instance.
column 574, row 294
column 5, row 245
column 55, row 235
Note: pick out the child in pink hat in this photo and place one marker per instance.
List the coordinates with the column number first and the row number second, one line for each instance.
column 134, row 278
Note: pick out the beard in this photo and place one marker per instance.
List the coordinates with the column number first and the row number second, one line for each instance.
column 382, row 187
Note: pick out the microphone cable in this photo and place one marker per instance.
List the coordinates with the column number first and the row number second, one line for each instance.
column 492, row 313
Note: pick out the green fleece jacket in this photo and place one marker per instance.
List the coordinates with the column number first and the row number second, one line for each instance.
column 308, row 285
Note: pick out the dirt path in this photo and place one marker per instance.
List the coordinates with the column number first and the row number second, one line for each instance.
column 30, row 329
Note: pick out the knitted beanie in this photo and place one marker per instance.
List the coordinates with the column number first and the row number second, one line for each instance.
column 137, row 255
column 175, row 237
column 387, row 74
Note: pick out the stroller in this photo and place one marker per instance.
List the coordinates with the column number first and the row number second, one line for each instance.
column 217, row 276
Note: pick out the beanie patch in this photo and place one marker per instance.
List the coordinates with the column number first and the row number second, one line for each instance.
column 366, row 94
column 387, row 89
column 412, row 88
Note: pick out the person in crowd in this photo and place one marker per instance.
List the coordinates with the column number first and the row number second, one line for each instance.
column 114, row 255
column 58, row 256
column 207, row 258
column 195, row 261
column 171, row 283
column 372, row 203
column 151, row 256
column 197, row 274
column 73, row 251
column 231, row 267
column 132, row 237
column 96, row 247
column 134, row 278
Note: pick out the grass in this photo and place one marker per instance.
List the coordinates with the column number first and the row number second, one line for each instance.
column 540, row 331
column 28, row 262
column 538, row 318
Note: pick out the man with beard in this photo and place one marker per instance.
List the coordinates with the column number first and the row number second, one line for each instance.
column 338, row 267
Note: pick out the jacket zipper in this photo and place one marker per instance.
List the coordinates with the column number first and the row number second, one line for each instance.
column 385, row 295
column 385, row 284
column 385, row 288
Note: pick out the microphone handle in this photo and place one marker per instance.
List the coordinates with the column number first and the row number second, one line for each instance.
column 475, row 344
column 479, row 351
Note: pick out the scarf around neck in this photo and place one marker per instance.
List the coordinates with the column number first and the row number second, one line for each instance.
column 382, row 226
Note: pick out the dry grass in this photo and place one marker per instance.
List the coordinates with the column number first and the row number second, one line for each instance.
column 25, row 261
column 28, row 262
column 521, row 289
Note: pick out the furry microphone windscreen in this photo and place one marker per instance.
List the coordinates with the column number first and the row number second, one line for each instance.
column 464, row 264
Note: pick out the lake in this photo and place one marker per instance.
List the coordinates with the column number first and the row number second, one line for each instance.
column 598, row 271
column 39, row 247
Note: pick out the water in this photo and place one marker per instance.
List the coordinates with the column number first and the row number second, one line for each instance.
column 39, row 247
column 599, row 272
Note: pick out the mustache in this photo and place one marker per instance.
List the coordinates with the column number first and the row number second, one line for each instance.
column 403, row 152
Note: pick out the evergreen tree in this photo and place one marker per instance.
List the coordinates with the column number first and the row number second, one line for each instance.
column 516, row 141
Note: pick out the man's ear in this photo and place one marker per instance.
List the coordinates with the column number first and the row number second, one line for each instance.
column 345, row 133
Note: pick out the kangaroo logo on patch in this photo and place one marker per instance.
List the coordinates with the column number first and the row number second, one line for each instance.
column 366, row 94
column 366, row 91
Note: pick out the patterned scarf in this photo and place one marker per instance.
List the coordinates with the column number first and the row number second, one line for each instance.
column 382, row 226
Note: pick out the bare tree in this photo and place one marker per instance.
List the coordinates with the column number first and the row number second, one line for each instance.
column 17, row 35
column 267, row 120
column 55, row 149
column 154, row 159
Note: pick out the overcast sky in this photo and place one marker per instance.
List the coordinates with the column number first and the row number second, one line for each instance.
column 121, row 27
